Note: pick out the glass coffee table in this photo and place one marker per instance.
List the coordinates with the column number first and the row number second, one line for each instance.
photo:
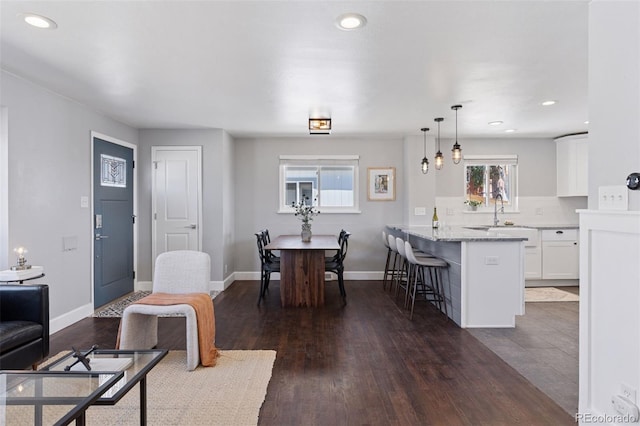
column 138, row 364
column 58, row 398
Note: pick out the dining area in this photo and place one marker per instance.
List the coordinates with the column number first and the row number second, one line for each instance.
column 302, row 264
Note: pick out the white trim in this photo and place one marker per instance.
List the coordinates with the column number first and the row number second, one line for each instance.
column 4, row 188
column 482, row 159
column 134, row 148
column 71, row 317
column 348, row 275
column 319, row 157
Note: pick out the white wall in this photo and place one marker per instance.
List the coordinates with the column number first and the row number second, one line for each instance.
column 49, row 155
column 609, row 338
column 215, row 187
column 537, row 200
column 614, row 96
column 256, row 174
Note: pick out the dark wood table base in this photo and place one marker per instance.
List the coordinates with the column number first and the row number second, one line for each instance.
column 302, row 278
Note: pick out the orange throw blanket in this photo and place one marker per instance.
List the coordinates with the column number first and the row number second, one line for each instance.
column 203, row 306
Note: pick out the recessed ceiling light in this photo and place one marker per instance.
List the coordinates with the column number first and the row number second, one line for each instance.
column 548, row 103
column 495, row 123
column 39, row 21
column 510, row 130
column 586, row 122
column 351, row 21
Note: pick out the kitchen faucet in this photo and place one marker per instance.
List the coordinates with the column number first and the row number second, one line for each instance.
column 495, row 209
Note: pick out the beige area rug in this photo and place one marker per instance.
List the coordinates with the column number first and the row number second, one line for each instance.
column 231, row 393
column 549, row 294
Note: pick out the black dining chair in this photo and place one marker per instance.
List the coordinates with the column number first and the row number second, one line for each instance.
column 267, row 265
column 335, row 264
column 266, row 239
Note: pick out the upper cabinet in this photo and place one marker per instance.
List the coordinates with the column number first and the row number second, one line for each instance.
column 572, row 159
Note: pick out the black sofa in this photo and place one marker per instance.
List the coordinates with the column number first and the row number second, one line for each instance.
column 24, row 325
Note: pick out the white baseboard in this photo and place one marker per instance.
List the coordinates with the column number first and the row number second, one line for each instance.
column 65, row 320
column 348, row 275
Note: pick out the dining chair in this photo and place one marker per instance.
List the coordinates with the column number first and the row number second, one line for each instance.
column 335, row 264
column 268, row 264
column 266, row 239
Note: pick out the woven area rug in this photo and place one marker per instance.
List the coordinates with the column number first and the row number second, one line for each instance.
column 231, row 393
column 549, row 294
column 115, row 309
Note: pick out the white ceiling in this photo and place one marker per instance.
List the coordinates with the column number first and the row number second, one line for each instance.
column 261, row 68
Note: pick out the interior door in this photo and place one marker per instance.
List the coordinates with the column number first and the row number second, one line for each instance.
column 176, row 198
column 112, row 221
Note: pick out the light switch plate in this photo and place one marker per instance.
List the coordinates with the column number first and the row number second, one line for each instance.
column 614, row 197
column 420, row 211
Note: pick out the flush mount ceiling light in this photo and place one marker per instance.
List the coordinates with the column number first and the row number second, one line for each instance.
column 495, row 123
column 424, row 165
column 456, row 151
column 351, row 21
column 510, row 130
column 548, row 103
column 319, row 126
column 39, row 21
column 439, row 156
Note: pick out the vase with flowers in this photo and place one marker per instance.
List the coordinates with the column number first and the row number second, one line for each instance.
column 305, row 212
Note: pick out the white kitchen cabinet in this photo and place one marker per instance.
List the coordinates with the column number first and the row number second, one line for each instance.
column 572, row 156
column 533, row 257
column 560, row 254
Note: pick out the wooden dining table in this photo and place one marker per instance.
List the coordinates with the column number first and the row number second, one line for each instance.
column 302, row 268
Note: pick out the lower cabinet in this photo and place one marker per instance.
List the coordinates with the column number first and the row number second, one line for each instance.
column 560, row 254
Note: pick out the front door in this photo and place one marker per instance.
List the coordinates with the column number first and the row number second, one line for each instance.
column 113, row 219
column 176, row 198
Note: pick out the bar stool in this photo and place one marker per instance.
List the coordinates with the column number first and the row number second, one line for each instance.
column 402, row 273
column 387, row 272
column 421, row 265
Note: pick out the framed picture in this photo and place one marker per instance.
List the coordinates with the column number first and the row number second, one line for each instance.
column 381, row 183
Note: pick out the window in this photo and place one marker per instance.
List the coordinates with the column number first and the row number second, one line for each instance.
column 491, row 178
column 330, row 182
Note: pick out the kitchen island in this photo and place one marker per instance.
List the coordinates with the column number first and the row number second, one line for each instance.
column 484, row 284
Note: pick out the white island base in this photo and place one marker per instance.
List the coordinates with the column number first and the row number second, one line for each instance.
column 492, row 283
column 484, row 284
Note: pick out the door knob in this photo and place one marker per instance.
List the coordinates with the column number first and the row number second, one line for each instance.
column 192, row 226
column 100, row 237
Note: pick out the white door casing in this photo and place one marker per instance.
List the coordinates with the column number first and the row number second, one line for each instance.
column 176, row 198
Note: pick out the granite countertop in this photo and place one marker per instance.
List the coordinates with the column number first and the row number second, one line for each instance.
column 455, row 233
column 552, row 226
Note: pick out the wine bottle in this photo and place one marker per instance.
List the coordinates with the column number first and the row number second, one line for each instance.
column 434, row 219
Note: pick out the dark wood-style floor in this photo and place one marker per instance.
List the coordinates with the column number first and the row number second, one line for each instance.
column 361, row 363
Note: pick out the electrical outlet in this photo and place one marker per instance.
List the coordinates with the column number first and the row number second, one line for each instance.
column 225, row 268
column 539, row 211
column 420, row 211
column 628, row 392
column 615, row 197
column 450, row 212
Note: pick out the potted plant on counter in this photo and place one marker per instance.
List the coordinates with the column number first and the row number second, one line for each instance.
column 473, row 204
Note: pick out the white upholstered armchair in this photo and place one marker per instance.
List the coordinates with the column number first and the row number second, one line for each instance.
column 176, row 272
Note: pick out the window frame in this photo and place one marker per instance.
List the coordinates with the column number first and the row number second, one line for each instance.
column 488, row 161
column 319, row 161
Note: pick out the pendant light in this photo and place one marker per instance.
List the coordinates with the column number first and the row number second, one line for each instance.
column 439, row 156
column 425, row 162
column 456, row 151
